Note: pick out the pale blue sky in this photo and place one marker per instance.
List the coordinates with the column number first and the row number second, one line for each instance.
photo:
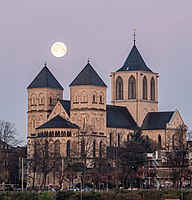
column 101, row 30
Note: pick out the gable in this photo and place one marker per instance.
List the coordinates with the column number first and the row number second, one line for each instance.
column 59, row 110
column 176, row 120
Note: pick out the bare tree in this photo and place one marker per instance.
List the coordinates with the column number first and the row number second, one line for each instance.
column 177, row 151
column 8, row 133
column 43, row 160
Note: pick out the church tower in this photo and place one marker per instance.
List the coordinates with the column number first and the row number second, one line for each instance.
column 135, row 86
column 43, row 93
column 88, row 103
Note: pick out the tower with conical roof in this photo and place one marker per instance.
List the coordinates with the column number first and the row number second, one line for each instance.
column 43, row 93
column 88, row 103
column 135, row 86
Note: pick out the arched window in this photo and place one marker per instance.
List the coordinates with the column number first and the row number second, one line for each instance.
column 119, row 88
column 159, row 141
column 94, row 97
column 84, row 97
column 144, row 88
column 94, row 148
column 110, row 139
column 101, row 101
column 51, row 99
column 75, row 98
column 152, row 89
column 57, row 147
column 100, row 149
column 118, row 140
column 132, row 88
column 33, row 99
column 41, row 99
column 68, row 148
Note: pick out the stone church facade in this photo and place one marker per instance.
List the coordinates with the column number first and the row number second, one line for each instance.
column 63, row 123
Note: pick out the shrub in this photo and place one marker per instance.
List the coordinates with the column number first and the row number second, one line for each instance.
column 65, row 195
column 150, row 194
column 45, row 196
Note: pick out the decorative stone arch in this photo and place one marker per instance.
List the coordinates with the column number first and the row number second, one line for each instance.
column 132, row 88
column 84, row 97
column 33, row 99
column 152, row 89
column 101, row 98
column 119, row 88
column 144, row 88
column 41, row 99
column 75, row 97
column 51, row 97
column 94, row 97
column 57, row 134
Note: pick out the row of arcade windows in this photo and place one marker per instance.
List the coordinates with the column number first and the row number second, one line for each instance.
column 38, row 148
column 55, row 134
column 94, row 149
column 40, row 100
column 84, row 98
column 113, row 141
column 132, row 88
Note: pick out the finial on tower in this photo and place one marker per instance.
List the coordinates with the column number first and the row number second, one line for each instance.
column 134, row 36
column 87, row 60
column 45, row 64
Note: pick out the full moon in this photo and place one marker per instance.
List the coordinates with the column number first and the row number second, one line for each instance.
column 58, row 49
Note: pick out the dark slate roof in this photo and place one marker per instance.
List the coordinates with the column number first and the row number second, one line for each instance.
column 120, row 117
column 58, row 122
column 134, row 62
column 88, row 76
column 66, row 105
column 45, row 79
column 156, row 120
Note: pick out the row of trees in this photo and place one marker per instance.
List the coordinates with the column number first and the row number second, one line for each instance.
column 121, row 166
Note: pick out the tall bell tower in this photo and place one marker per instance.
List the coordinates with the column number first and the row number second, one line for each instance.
column 43, row 93
column 135, row 86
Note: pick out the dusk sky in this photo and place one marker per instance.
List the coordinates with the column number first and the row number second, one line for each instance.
column 102, row 31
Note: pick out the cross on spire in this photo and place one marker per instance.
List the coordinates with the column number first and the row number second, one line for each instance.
column 134, row 36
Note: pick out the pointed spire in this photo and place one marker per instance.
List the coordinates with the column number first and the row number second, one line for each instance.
column 88, row 76
column 45, row 79
column 134, row 36
column 45, row 64
column 134, row 61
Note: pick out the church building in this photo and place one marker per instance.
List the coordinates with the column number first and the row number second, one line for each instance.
column 63, row 123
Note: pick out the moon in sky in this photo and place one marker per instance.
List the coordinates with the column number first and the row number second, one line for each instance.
column 58, row 49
